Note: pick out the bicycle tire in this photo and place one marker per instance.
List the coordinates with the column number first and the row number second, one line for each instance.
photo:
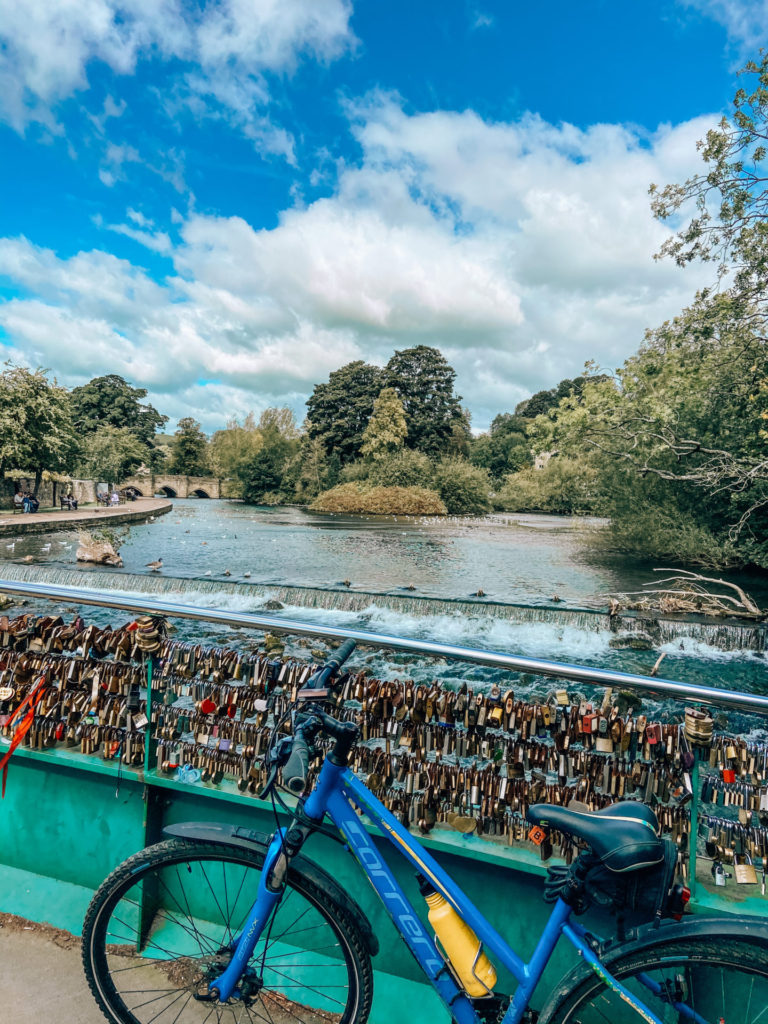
column 725, row 978
column 143, row 903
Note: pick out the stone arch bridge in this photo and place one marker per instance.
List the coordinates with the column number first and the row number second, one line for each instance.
column 174, row 486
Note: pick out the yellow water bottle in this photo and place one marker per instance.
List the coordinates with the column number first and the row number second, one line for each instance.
column 461, row 945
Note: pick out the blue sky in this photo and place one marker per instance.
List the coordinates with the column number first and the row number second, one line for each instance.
column 225, row 201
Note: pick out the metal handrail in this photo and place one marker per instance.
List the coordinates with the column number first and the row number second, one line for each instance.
column 577, row 673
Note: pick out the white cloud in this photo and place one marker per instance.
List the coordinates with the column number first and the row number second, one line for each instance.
column 47, row 48
column 520, row 249
column 746, row 21
column 157, row 241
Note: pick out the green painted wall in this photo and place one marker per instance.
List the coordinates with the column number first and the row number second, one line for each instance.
column 66, row 823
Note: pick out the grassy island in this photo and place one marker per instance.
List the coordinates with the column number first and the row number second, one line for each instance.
column 385, row 501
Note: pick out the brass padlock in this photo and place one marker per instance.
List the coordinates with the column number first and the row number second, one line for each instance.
column 744, row 870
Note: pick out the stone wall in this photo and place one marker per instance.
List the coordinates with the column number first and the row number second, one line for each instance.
column 50, row 491
column 7, row 490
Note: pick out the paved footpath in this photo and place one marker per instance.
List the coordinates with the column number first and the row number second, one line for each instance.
column 54, row 520
column 41, row 977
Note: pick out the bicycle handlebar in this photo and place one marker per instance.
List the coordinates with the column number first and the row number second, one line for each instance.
column 297, row 766
column 295, row 771
column 332, row 665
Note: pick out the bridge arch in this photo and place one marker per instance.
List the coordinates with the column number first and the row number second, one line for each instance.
column 171, row 485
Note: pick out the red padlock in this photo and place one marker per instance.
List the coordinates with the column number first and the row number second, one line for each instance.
column 589, row 722
column 653, row 732
column 729, row 775
column 208, row 706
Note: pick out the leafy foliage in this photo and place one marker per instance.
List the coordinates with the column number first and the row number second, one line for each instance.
column 405, row 468
column 264, row 477
column 110, row 454
column 112, row 401
column 231, row 450
column 386, row 428
column 505, row 449
column 357, row 498
column 564, row 486
column 464, row 488
column 424, row 380
column 339, row 410
column 36, row 430
column 189, row 456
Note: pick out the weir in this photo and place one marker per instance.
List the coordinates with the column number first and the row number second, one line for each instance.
column 724, row 634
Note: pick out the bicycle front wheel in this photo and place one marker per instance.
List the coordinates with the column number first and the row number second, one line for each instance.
column 712, row 980
column 158, row 931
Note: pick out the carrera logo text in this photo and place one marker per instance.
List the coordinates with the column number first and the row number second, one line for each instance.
column 411, row 927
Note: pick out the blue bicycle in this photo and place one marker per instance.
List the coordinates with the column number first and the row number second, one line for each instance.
column 219, row 923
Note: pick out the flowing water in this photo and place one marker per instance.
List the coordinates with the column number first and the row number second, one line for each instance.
column 413, row 577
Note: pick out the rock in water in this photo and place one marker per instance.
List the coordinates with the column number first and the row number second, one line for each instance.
column 98, row 552
column 272, row 605
column 273, row 644
column 634, row 641
column 5, row 601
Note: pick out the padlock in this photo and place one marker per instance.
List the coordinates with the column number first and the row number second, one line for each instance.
column 744, row 870
column 719, row 873
column 653, row 733
column 589, row 721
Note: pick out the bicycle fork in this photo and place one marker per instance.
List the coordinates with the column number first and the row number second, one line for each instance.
column 271, row 886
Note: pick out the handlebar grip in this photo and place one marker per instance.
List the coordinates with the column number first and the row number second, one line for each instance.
column 295, row 771
column 341, row 654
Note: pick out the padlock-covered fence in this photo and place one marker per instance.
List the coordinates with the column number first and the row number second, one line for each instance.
column 464, row 760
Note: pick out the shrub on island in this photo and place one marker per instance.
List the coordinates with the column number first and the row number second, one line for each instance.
column 383, row 501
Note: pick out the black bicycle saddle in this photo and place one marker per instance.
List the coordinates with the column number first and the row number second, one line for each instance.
column 624, row 836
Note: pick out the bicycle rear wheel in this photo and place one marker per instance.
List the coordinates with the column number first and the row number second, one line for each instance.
column 718, row 981
column 157, row 931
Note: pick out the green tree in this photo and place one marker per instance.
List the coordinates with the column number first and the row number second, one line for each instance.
column 111, row 454
column 231, row 450
column 405, row 468
column 464, row 488
column 424, row 380
column 386, row 428
column 272, row 472
column 36, row 430
column 504, row 449
column 264, row 473
column 190, row 449
column 281, row 420
column 563, row 486
column 111, row 400
column 339, row 410
column 308, row 472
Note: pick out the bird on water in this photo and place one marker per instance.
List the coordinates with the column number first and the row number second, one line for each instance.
column 155, row 566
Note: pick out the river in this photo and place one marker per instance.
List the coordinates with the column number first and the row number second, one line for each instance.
column 414, row 577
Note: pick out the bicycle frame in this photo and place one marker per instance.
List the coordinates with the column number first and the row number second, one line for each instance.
column 338, row 792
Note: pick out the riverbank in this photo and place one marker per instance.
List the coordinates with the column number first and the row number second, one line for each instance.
column 15, row 523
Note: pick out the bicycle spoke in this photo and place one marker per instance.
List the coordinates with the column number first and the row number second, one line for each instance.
column 304, row 955
column 174, row 920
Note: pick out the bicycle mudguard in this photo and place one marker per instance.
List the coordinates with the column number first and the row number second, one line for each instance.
column 248, row 839
column 648, row 936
